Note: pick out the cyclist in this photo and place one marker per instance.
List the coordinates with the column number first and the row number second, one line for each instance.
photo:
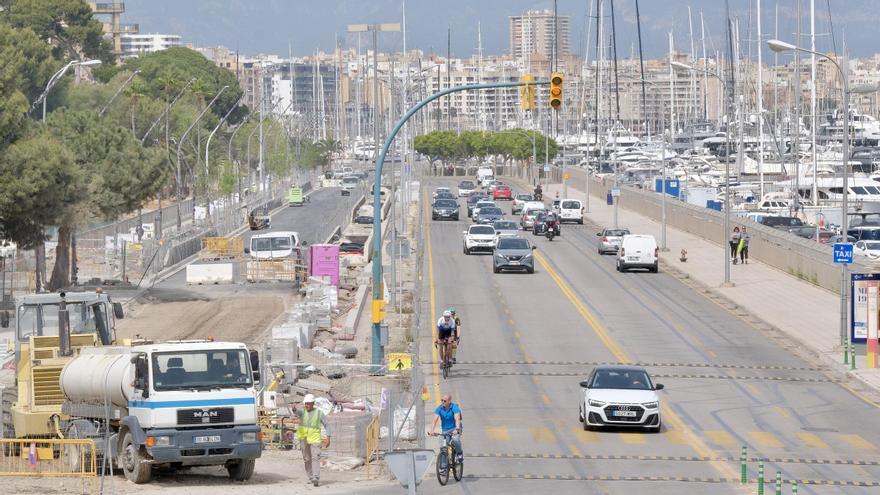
column 457, row 334
column 445, row 337
column 448, row 414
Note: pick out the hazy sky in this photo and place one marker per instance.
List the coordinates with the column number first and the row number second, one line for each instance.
column 267, row 26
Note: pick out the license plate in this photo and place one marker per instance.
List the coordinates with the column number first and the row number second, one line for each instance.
column 514, row 263
column 632, row 258
column 626, row 414
column 207, row 439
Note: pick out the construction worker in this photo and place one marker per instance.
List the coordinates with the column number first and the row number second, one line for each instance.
column 309, row 424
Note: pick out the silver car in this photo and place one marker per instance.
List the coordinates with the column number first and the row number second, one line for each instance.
column 527, row 220
column 506, row 228
column 519, row 201
column 610, row 240
column 513, row 253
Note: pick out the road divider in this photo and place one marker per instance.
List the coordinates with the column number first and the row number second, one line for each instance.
column 670, row 458
column 678, row 479
column 648, row 365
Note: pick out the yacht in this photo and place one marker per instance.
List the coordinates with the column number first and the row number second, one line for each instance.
column 693, row 135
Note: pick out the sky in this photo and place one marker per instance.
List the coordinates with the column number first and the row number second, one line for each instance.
column 270, row 26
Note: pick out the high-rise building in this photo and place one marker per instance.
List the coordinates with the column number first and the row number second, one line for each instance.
column 135, row 44
column 532, row 36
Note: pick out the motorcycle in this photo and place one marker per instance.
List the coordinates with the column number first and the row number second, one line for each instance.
column 551, row 231
column 538, row 196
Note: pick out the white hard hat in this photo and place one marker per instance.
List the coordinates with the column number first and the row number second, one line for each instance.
column 309, row 399
column 447, row 313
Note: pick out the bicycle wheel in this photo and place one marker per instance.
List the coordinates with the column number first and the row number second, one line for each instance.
column 458, row 469
column 445, row 370
column 442, row 468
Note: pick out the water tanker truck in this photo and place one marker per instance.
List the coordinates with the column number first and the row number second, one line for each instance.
column 175, row 404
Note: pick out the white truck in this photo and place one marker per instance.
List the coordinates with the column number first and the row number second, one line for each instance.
column 175, row 404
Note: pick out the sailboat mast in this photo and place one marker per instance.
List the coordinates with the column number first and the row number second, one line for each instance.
column 705, row 68
column 598, row 70
column 642, row 72
column 692, row 106
column 760, row 101
column 813, row 98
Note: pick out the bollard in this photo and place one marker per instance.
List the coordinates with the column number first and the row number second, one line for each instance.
column 846, row 353
column 778, row 482
column 793, row 487
column 742, row 458
column 852, row 355
column 761, row 477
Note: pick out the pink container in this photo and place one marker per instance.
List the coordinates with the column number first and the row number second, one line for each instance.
column 324, row 261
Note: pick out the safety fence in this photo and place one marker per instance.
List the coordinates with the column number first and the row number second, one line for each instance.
column 72, row 458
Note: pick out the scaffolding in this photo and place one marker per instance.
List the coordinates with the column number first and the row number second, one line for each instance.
column 114, row 28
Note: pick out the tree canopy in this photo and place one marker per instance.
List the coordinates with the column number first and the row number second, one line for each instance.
column 510, row 144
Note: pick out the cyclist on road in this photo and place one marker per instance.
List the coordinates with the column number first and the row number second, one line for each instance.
column 448, row 414
column 445, row 335
column 457, row 340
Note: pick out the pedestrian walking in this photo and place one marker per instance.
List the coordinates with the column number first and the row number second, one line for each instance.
column 310, row 422
column 734, row 243
column 744, row 246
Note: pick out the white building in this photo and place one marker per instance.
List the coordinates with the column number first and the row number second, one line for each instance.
column 134, row 44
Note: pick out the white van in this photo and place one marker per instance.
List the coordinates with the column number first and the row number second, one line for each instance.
column 638, row 251
column 274, row 245
column 571, row 210
column 484, row 175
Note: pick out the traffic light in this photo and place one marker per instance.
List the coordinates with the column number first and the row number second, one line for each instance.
column 528, row 93
column 556, row 90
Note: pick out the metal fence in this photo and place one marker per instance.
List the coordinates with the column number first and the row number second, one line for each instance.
column 50, row 457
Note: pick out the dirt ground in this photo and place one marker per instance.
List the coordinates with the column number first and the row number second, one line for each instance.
column 178, row 314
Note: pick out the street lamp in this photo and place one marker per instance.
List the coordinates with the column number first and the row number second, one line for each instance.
column 118, row 91
column 725, row 248
column 57, row 77
column 781, row 46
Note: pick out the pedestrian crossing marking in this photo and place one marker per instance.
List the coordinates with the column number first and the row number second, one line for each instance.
column 753, row 389
column 781, row 411
column 542, row 434
column 766, row 439
column 858, row 442
column 720, row 437
column 811, row 440
column 676, row 437
column 498, row 433
column 633, row 438
column 586, row 436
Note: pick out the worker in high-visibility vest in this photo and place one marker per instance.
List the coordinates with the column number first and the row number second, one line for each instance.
column 309, row 421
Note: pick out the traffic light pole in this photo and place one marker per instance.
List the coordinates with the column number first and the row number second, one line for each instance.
column 378, row 304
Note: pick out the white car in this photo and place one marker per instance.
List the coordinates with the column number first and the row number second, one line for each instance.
column 571, row 210
column 481, row 204
column 519, row 201
column 620, row 396
column 466, row 188
column 869, row 249
column 638, row 251
column 479, row 238
column 439, row 190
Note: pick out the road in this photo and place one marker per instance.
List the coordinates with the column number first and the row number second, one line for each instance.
column 529, row 339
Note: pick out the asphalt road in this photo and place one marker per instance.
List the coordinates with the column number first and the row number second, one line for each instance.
column 529, row 339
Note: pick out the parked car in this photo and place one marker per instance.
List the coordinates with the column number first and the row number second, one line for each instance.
column 506, row 228
column 481, row 204
column 465, row 188
column 472, row 201
column 502, row 191
column 809, row 232
column 519, row 201
column 571, row 210
column 513, row 253
column 781, row 222
column 638, row 251
column 836, row 239
column 529, row 212
column 865, row 232
column 620, row 396
column 870, row 249
column 610, row 240
column 488, row 215
column 444, row 209
column 479, row 238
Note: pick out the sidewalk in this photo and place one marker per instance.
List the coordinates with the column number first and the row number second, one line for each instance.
column 804, row 312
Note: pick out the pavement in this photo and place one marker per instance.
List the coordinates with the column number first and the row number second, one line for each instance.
column 731, row 379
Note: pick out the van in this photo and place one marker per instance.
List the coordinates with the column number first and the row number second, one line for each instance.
column 638, row 251
column 571, row 210
column 484, row 175
column 274, row 245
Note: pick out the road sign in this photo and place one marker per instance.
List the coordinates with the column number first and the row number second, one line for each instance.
column 546, row 168
column 565, row 176
column 615, row 192
column 409, row 466
column 843, row 253
column 399, row 361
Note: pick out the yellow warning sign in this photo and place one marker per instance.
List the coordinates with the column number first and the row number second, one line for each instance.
column 378, row 310
column 399, row 361
column 565, row 176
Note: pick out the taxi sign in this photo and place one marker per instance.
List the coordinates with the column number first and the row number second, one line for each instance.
column 399, row 361
column 843, row 253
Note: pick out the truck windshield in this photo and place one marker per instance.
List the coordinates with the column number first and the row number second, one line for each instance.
column 270, row 244
column 222, row 368
column 42, row 319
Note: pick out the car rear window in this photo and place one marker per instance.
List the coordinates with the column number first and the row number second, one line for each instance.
column 503, row 188
column 491, row 211
column 466, row 185
column 616, row 232
column 482, row 230
column 571, row 205
column 513, row 244
column 524, row 197
column 505, row 226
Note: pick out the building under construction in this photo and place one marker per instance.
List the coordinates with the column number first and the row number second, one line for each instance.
column 111, row 14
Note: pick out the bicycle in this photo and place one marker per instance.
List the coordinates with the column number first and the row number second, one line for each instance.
column 446, row 364
column 447, row 460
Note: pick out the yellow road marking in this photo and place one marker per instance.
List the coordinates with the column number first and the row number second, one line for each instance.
column 633, row 438
column 522, row 348
column 781, row 411
column 542, row 434
column 535, row 380
column 574, row 450
column 516, row 333
column 584, row 436
column 546, row 399
column 811, row 440
column 753, row 389
column 858, row 442
column 720, row 437
column 511, row 322
column 498, row 433
column 766, row 439
column 672, row 419
column 434, row 353
column 675, row 437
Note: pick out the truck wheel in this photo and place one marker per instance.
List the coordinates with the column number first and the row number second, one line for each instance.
column 136, row 468
column 72, row 454
column 241, row 470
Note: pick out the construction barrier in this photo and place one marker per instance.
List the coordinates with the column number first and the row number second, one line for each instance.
column 278, row 431
column 288, row 270
column 372, row 445
column 222, row 247
column 48, row 457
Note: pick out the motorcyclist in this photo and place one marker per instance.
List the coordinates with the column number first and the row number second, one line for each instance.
column 539, row 193
column 551, row 221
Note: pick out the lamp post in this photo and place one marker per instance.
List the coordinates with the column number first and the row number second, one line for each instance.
column 118, row 91
column 724, row 246
column 781, row 46
column 57, row 77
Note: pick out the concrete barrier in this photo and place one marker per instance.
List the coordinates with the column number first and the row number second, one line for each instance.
column 210, row 273
column 803, row 258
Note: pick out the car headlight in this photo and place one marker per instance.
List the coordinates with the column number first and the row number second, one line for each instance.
column 159, row 441
column 526, row 256
column 595, row 403
column 651, row 405
column 499, row 255
column 251, row 436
